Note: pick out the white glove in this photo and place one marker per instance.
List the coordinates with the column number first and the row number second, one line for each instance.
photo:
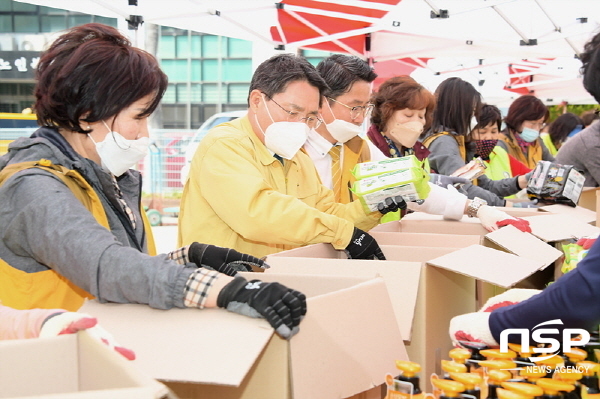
column 72, row 322
column 447, row 202
column 492, row 219
column 474, row 327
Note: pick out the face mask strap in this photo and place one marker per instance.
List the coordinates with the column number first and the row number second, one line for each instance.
column 267, row 108
column 112, row 133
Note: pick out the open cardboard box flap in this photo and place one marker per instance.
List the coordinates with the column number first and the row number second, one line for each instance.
column 71, row 366
column 558, row 227
column 346, row 343
column 488, row 264
column 525, row 245
column 580, row 213
column 401, row 278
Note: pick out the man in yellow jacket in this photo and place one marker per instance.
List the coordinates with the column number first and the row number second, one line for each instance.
column 252, row 188
column 335, row 146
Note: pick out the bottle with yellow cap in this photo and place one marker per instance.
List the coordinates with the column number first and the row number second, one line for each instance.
column 476, row 356
column 554, row 389
column 532, row 374
column 523, row 354
column 508, row 394
column 550, row 364
column 571, row 375
column 451, row 366
column 589, row 381
column 471, row 381
column 449, row 388
column 460, row 355
column 495, row 379
column 575, row 356
column 523, row 388
column 408, row 376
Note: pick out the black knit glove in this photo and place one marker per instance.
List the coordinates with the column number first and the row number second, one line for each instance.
column 224, row 260
column 282, row 307
column 391, row 204
column 363, row 246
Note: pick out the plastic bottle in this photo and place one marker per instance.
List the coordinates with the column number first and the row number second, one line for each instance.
column 460, row 355
column 471, row 381
column 450, row 366
column 572, row 376
column 408, row 371
column 532, row 374
column 589, row 381
column 523, row 388
column 553, row 389
column 550, row 363
column 495, row 378
column 475, row 348
column 524, row 353
column 449, row 388
column 507, row 394
column 575, row 356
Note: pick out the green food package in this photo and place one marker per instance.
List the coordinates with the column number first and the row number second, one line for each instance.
column 412, row 184
column 369, row 169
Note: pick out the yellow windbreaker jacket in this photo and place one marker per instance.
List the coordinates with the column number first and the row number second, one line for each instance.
column 239, row 196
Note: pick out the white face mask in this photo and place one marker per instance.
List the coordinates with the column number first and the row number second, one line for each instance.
column 406, row 134
column 117, row 154
column 284, row 138
column 342, row 130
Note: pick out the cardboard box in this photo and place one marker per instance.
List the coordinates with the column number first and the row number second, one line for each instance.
column 347, row 342
column 588, row 198
column 420, row 222
column 579, row 213
column 558, row 227
column 425, row 239
column 71, row 366
column 447, row 285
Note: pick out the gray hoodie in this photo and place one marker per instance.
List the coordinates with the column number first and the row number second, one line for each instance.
column 43, row 225
column 445, row 159
column 583, row 152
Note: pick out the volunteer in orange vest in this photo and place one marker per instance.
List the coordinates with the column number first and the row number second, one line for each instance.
column 457, row 105
column 72, row 225
column 335, row 146
column 526, row 116
column 402, row 109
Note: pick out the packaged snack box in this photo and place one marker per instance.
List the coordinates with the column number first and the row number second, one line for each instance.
column 369, row 169
column 411, row 184
column 555, row 183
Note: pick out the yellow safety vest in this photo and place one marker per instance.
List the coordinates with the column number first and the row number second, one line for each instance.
column 460, row 140
column 498, row 167
column 48, row 289
column 547, row 140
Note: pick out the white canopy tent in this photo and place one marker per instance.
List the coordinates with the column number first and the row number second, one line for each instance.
column 474, row 39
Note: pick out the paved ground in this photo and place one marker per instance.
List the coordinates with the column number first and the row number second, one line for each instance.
column 165, row 238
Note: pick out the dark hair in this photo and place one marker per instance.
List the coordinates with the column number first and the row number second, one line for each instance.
column 398, row 93
column 92, row 69
column 340, row 71
column 590, row 69
column 456, row 102
column 273, row 75
column 489, row 114
column 589, row 116
column 525, row 108
column 562, row 126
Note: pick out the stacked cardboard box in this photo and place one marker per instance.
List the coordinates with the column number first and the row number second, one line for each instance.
column 346, row 343
column 74, row 366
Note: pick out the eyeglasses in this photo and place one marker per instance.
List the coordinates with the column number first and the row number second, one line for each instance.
column 534, row 125
column 357, row 111
column 312, row 122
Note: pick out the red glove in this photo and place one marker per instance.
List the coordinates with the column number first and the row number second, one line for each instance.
column 519, row 223
column 72, row 322
column 586, row 242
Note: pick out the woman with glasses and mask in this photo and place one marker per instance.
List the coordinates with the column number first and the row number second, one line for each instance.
column 526, row 117
column 71, row 220
column 458, row 104
column 254, row 189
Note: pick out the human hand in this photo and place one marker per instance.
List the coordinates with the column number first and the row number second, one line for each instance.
column 492, row 219
column 474, row 327
column 444, row 181
column 363, row 246
column 72, row 322
column 282, row 307
column 586, row 242
column 225, row 260
column 391, row 204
